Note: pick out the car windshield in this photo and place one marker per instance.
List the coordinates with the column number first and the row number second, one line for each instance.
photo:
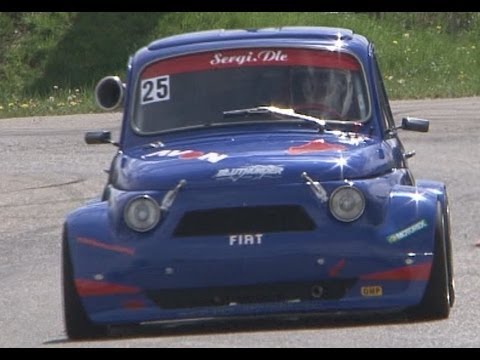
column 205, row 88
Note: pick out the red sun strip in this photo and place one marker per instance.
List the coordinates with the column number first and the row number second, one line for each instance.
column 222, row 59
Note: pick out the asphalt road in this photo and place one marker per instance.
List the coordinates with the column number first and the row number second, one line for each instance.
column 46, row 170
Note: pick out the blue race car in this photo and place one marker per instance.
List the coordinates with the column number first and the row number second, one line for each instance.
column 258, row 173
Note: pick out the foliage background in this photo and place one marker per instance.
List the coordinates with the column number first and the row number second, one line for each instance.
column 50, row 61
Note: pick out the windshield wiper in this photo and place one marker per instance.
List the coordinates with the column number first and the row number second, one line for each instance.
column 278, row 111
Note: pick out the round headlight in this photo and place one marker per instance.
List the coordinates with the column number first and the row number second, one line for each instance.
column 347, row 203
column 142, row 213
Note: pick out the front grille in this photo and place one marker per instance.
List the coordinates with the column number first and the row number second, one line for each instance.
column 249, row 294
column 241, row 220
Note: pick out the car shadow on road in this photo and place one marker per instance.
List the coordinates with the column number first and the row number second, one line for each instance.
column 249, row 325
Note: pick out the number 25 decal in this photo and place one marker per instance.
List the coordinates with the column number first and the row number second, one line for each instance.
column 155, row 89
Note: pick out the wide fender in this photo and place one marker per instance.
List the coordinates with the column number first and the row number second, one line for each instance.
column 410, row 219
column 440, row 189
column 436, row 187
column 92, row 246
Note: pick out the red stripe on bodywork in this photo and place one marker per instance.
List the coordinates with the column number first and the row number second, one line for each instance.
column 337, row 268
column 314, row 146
column 134, row 304
column 412, row 272
column 206, row 61
column 100, row 288
column 116, row 248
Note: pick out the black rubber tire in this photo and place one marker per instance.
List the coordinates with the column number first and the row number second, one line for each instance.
column 77, row 324
column 449, row 250
column 435, row 304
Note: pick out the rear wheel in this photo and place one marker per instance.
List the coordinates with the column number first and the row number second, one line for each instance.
column 436, row 300
column 77, row 323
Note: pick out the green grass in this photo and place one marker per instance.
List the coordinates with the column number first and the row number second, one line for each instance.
column 50, row 62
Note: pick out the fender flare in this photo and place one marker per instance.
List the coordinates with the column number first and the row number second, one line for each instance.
column 411, row 208
column 441, row 190
column 87, row 232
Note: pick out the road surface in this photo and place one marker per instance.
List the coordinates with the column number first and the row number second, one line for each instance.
column 47, row 170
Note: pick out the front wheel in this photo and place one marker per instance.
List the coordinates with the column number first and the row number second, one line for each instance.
column 77, row 324
column 448, row 242
column 435, row 304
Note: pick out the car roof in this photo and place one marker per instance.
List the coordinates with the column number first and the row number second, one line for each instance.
column 326, row 34
column 261, row 37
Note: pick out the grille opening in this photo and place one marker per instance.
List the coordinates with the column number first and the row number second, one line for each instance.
column 239, row 220
column 249, row 294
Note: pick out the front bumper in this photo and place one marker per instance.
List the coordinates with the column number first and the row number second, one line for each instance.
column 330, row 290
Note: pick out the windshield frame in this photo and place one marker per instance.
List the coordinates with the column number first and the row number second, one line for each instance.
column 317, row 47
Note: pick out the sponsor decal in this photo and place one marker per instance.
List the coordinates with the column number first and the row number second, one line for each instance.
column 211, row 157
column 314, row 146
column 253, row 172
column 249, row 57
column 369, row 291
column 245, row 239
column 407, row 231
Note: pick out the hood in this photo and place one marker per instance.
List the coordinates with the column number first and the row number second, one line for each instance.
column 251, row 159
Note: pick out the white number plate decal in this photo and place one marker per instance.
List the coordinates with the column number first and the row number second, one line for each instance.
column 155, row 89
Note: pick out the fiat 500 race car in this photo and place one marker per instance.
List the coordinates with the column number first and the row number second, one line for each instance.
column 259, row 173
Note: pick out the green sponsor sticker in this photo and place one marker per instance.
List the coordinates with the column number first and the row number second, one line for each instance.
column 407, row 231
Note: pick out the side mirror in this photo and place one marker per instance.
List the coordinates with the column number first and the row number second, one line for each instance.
column 98, row 137
column 415, row 124
column 109, row 93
